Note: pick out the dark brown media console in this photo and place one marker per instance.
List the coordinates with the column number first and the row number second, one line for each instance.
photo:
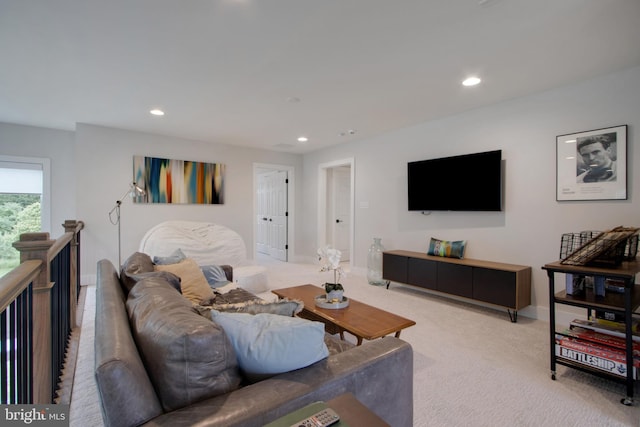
column 505, row 285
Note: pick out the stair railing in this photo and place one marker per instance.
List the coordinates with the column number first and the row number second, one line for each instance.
column 38, row 301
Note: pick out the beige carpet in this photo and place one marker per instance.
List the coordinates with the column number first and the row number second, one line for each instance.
column 85, row 410
column 472, row 366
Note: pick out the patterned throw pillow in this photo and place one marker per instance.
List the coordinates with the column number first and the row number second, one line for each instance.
column 445, row 248
column 283, row 307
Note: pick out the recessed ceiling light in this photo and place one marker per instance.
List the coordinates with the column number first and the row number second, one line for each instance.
column 471, row 81
column 157, row 112
column 303, row 139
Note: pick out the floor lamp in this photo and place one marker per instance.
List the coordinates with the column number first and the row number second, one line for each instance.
column 133, row 191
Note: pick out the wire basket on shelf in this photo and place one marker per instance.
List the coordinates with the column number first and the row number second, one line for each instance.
column 595, row 248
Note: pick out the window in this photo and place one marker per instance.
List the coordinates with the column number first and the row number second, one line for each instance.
column 24, row 203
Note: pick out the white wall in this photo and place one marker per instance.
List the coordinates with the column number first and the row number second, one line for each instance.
column 92, row 167
column 56, row 145
column 104, row 171
column 98, row 164
column 528, row 231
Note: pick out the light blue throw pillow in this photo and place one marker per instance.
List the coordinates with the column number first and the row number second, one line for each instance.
column 174, row 258
column 215, row 275
column 268, row 344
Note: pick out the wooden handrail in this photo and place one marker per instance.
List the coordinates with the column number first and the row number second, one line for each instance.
column 59, row 244
column 46, row 284
column 14, row 282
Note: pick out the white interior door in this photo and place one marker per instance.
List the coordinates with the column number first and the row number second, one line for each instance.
column 262, row 243
column 340, row 217
column 277, row 221
column 274, row 208
column 326, row 203
column 272, row 215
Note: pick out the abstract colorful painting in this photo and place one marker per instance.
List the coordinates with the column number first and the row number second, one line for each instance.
column 178, row 181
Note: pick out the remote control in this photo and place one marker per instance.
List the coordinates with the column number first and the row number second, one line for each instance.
column 323, row 418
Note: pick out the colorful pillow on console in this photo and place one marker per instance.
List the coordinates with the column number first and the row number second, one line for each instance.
column 193, row 284
column 446, row 248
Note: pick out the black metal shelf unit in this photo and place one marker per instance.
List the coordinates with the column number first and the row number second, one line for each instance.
column 623, row 304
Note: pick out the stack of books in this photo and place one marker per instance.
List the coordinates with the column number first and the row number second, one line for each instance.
column 577, row 285
column 599, row 344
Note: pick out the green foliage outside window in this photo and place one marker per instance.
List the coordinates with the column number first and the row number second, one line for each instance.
column 19, row 213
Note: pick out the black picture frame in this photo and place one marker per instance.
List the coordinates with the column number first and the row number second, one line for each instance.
column 605, row 178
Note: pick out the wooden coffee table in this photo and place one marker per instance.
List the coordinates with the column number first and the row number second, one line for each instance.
column 359, row 319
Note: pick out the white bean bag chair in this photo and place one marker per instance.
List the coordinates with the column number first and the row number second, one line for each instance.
column 207, row 244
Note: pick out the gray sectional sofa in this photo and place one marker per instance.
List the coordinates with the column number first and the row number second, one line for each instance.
column 160, row 363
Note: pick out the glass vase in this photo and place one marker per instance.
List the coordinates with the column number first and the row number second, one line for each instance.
column 374, row 263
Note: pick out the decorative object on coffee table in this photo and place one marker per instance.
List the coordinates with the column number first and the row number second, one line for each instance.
column 374, row 263
column 330, row 261
column 332, row 299
column 334, row 292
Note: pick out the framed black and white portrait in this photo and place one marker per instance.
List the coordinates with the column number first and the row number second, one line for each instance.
column 592, row 165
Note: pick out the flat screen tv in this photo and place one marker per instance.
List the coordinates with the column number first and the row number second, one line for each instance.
column 471, row 182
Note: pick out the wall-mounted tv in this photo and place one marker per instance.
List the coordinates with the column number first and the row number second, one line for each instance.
column 471, row 182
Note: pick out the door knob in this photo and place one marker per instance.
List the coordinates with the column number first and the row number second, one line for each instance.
column 338, row 221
